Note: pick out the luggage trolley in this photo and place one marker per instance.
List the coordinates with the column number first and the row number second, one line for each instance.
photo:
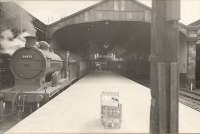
column 111, row 110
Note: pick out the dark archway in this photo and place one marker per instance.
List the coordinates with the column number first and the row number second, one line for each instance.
column 129, row 39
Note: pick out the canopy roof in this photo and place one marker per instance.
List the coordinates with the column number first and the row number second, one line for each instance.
column 51, row 11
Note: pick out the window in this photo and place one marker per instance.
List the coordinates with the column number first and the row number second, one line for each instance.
column 129, row 15
column 116, row 5
column 99, row 15
column 123, row 5
column 86, row 16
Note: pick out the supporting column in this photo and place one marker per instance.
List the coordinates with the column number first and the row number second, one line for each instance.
column 192, row 73
column 164, row 67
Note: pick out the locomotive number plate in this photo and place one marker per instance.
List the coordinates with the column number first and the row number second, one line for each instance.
column 27, row 56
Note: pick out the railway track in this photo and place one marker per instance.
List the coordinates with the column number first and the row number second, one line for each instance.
column 9, row 121
column 190, row 99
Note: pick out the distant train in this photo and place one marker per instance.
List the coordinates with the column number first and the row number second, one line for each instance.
column 39, row 74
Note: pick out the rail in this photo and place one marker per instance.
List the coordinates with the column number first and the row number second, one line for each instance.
column 190, row 99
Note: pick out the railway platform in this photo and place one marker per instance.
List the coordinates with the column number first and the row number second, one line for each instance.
column 77, row 109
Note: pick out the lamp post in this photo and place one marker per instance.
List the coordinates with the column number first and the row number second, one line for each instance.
column 67, row 73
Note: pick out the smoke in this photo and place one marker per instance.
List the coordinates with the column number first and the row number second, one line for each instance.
column 9, row 44
column 16, row 18
column 15, row 24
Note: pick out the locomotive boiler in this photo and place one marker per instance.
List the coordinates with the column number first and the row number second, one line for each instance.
column 35, row 65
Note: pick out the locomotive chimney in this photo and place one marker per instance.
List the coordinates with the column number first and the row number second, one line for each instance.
column 30, row 41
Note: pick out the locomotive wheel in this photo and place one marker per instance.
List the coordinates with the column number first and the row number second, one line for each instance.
column 55, row 78
column 8, row 107
column 1, row 110
column 33, row 107
column 28, row 109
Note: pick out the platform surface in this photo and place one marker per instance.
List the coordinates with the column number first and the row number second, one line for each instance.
column 77, row 110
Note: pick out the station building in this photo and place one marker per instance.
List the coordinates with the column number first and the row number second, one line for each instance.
column 116, row 35
column 123, row 25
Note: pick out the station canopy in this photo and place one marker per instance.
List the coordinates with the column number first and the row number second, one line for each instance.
column 51, row 11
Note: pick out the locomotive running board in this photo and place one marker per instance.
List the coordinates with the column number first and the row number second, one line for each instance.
column 51, row 91
column 31, row 96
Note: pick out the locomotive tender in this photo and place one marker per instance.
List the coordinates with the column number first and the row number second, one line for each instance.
column 37, row 73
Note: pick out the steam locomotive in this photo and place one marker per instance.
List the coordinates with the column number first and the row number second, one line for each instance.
column 39, row 75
